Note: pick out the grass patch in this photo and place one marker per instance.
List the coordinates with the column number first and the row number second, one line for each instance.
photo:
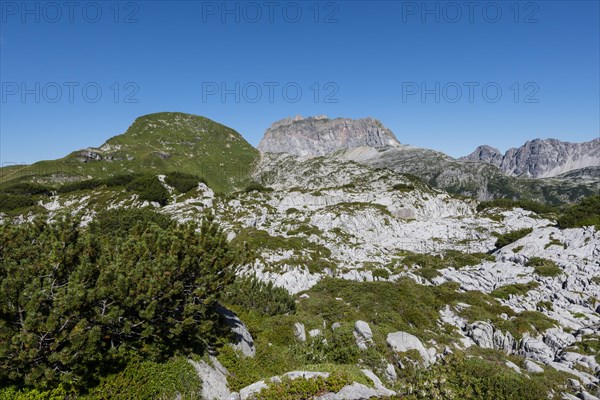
column 517, row 289
column 544, row 267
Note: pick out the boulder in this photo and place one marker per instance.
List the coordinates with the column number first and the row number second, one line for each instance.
column 504, row 342
column 300, row 331
column 557, row 339
column 402, row 341
column 314, row 332
column 482, row 334
column 251, row 390
column 513, row 366
column 532, row 367
column 390, row 373
column 363, row 335
column 536, row 349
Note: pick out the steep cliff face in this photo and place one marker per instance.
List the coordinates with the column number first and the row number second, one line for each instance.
column 317, row 136
column 541, row 158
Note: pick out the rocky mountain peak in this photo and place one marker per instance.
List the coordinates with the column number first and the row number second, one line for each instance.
column 320, row 135
column 485, row 153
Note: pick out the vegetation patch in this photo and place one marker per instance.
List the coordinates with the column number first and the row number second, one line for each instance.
column 257, row 187
column 544, row 267
column 300, row 389
column 149, row 188
column 516, row 289
column 263, row 298
column 511, row 237
column 403, row 187
column 479, row 374
column 10, row 202
column 183, row 182
column 586, row 213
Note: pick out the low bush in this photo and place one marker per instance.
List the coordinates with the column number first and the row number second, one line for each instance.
column 301, row 389
column 117, row 222
column 28, row 188
column 175, row 378
column 183, row 182
column 88, row 184
column 403, row 187
column 264, row 298
column 120, row 180
column 544, row 267
column 511, row 237
column 10, row 202
column 586, row 213
column 149, row 188
column 517, row 289
column 473, row 378
column 257, row 187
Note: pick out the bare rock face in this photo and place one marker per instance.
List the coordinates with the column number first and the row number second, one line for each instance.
column 541, row 158
column 317, row 136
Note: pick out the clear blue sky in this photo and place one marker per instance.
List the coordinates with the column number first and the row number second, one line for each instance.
column 374, row 58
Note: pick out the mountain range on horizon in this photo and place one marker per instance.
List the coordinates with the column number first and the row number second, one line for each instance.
column 193, row 144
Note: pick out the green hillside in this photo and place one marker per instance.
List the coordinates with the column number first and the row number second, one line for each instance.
column 154, row 143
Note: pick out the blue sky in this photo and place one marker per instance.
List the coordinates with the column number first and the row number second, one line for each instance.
column 431, row 73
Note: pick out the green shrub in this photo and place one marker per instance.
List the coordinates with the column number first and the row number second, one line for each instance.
column 149, row 188
column 257, row 187
column 544, row 267
column 381, row 273
column 264, row 298
column 150, row 380
column 120, row 180
column 88, row 184
column 427, row 273
column 516, row 289
column 28, row 188
column 511, row 237
column 301, row 389
column 10, row 202
column 117, row 222
column 183, row 182
column 473, row 378
column 82, row 305
column 403, row 187
column 586, row 213
column 14, row 393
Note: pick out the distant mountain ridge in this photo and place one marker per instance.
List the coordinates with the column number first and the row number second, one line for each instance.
column 485, row 174
column 540, row 158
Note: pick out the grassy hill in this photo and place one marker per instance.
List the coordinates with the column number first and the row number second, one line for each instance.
column 154, row 143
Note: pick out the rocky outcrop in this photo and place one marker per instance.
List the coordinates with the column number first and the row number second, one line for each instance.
column 243, row 340
column 317, row 136
column 402, row 342
column 541, row 158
